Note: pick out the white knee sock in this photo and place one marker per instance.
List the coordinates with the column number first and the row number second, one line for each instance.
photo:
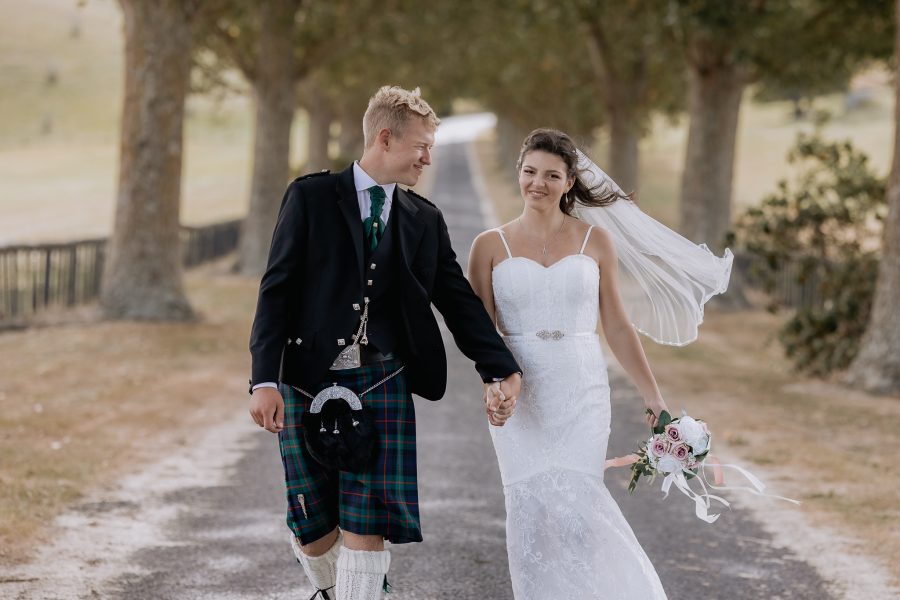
column 320, row 570
column 360, row 574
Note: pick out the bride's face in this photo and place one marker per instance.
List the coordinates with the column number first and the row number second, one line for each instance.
column 542, row 179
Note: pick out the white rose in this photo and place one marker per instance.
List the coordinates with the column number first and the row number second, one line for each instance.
column 691, row 431
column 668, row 464
column 702, row 444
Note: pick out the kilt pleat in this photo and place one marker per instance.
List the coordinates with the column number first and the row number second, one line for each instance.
column 382, row 501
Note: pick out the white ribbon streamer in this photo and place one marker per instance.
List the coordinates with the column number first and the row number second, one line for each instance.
column 703, row 501
column 758, row 486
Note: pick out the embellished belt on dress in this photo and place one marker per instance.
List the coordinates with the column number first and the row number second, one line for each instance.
column 550, row 334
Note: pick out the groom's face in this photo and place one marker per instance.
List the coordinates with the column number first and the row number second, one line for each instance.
column 408, row 155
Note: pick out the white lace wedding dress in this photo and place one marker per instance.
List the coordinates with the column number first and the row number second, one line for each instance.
column 565, row 535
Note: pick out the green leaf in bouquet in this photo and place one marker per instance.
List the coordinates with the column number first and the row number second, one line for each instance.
column 635, row 475
column 641, row 467
column 664, row 419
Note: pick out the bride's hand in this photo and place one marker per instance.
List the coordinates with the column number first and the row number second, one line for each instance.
column 654, row 409
column 495, row 405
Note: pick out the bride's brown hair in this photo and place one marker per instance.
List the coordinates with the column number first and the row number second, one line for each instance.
column 560, row 144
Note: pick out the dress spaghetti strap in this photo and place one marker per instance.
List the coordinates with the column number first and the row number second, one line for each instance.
column 583, row 244
column 503, row 239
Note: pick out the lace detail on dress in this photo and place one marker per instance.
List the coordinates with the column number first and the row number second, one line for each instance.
column 566, row 537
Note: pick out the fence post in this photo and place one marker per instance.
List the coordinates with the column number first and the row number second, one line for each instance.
column 73, row 265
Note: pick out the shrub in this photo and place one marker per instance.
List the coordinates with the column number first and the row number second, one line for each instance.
column 827, row 225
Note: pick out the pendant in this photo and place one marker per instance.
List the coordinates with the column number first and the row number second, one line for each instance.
column 347, row 359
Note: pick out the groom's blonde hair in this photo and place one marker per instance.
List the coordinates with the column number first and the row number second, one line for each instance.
column 391, row 108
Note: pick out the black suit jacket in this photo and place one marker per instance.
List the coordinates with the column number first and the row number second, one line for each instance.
column 315, row 276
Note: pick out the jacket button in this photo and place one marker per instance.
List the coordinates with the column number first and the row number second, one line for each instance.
column 298, row 341
column 372, row 266
column 355, row 306
column 370, row 282
column 341, row 342
column 289, row 341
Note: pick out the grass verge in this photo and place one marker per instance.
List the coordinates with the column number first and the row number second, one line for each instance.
column 82, row 403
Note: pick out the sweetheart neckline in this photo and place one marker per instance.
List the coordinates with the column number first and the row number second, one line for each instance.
column 545, row 267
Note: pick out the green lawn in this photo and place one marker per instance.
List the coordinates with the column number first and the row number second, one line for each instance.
column 61, row 184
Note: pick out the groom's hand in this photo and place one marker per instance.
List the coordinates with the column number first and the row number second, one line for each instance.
column 510, row 388
column 267, row 409
column 493, row 405
column 500, row 399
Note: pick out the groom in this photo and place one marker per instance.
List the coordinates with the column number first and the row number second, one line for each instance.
column 355, row 258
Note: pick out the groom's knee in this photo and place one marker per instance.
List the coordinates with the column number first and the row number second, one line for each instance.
column 321, row 545
column 370, row 543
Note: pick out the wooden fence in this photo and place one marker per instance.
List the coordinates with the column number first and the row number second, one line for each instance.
column 37, row 277
column 787, row 290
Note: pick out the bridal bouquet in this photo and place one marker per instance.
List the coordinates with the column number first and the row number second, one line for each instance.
column 676, row 446
column 679, row 449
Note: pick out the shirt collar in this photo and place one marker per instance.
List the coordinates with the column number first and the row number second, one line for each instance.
column 364, row 181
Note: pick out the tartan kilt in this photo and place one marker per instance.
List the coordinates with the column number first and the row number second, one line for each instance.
column 383, row 501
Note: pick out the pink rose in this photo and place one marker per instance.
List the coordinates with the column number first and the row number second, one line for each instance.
column 673, row 433
column 660, row 447
column 680, row 451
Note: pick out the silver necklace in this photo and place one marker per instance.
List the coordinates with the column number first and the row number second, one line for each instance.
column 548, row 240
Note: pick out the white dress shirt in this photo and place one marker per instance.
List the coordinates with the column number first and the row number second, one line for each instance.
column 363, row 182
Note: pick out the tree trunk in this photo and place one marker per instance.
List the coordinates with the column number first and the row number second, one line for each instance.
column 624, row 97
column 276, row 98
column 142, row 278
column 350, row 139
column 320, row 117
column 510, row 136
column 714, row 101
column 877, row 366
column 624, row 136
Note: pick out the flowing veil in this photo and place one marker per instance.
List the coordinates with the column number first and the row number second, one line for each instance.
column 665, row 279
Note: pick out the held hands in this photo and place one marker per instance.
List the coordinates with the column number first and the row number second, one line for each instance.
column 500, row 399
column 267, row 409
column 655, row 406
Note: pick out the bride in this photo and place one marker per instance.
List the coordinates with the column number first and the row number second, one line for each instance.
column 544, row 278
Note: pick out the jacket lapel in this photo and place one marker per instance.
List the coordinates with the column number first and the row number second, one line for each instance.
column 349, row 205
column 409, row 225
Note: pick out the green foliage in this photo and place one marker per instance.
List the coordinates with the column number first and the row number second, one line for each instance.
column 641, row 467
column 793, row 49
column 229, row 32
column 821, row 45
column 826, row 230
